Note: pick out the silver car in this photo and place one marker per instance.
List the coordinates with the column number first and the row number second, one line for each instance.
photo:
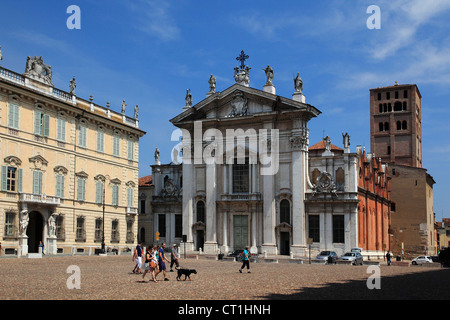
column 422, row 260
column 354, row 257
column 329, row 256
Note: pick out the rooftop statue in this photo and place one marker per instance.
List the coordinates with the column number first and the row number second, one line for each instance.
column 38, row 70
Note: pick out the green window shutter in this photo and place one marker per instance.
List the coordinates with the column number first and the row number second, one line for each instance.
column 13, row 116
column 60, row 186
column 61, row 130
column 19, row 180
column 4, row 172
column 99, row 192
column 115, row 195
column 37, row 122
column 116, row 145
column 130, row 197
column 81, row 186
column 130, row 149
column 37, row 182
column 46, row 125
column 82, row 136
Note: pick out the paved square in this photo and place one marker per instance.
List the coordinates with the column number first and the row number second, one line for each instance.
column 110, row 277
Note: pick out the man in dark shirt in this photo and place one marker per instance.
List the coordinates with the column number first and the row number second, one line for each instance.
column 162, row 265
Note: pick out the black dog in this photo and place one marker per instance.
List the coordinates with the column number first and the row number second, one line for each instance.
column 186, row 273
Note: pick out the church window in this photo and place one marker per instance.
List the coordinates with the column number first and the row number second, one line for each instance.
column 389, row 150
column 386, row 126
column 388, row 95
column 241, row 177
column 314, row 227
column 404, row 125
column 162, row 225
column 385, row 107
column 396, row 94
column 285, row 211
column 201, row 211
column 398, row 106
column 340, row 179
column 338, row 229
column 129, row 197
column 404, row 106
column 405, row 94
column 178, row 226
column 381, row 126
column 379, row 95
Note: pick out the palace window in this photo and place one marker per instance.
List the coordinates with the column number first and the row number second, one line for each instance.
column 80, row 231
column 61, row 130
column 11, row 179
column 82, row 132
column 37, row 182
column 116, row 144
column 59, row 222
column 41, row 123
column 10, row 218
column 13, row 116
column 98, row 229
column 81, row 189
column 115, row 195
column 115, row 231
column 60, row 186
column 129, row 197
column 99, row 192
column 130, row 149
column 100, row 140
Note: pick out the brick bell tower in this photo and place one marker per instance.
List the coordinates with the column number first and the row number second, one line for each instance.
column 396, row 124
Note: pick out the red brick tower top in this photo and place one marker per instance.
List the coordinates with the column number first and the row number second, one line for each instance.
column 396, row 124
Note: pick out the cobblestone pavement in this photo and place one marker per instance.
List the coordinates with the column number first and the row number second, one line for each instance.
column 105, row 278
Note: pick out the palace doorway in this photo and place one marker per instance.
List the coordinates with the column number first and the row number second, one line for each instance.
column 35, row 231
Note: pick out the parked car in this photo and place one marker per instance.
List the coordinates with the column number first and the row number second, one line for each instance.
column 422, row 260
column 329, row 256
column 356, row 250
column 354, row 257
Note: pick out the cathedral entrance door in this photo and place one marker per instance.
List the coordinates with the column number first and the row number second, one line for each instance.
column 200, row 239
column 35, row 231
column 284, row 243
column 240, row 231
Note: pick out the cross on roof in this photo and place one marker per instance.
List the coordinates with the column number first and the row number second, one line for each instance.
column 242, row 57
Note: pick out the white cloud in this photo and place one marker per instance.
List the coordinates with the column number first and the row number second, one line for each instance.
column 153, row 17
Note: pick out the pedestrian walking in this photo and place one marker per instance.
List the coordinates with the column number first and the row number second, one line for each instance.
column 137, row 258
column 245, row 261
column 162, row 259
column 388, row 258
column 174, row 258
column 150, row 264
column 41, row 245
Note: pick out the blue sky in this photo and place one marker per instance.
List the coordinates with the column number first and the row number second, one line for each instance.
column 149, row 52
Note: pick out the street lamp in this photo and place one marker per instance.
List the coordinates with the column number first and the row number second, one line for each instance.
column 103, row 222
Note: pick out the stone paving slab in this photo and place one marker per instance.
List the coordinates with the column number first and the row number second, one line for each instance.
column 106, row 278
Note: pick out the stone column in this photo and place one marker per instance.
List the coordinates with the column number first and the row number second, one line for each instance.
column 211, row 246
column 253, row 248
column 187, row 209
column 224, row 248
column 299, row 146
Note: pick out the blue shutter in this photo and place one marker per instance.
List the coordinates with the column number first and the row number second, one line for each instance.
column 37, row 122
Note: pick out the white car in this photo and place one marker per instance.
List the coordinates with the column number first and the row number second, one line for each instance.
column 421, row 260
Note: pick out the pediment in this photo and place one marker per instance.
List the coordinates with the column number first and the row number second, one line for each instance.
column 38, row 159
column 239, row 102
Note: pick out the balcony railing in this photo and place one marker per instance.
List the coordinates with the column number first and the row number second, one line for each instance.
column 39, row 198
column 241, row 197
column 133, row 211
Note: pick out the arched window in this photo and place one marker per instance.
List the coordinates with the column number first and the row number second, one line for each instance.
column 398, row 106
column 386, row 126
column 404, row 106
column 380, row 108
column 399, row 125
column 201, row 211
column 381, row 126
column 404, row 125
column 285, row 211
